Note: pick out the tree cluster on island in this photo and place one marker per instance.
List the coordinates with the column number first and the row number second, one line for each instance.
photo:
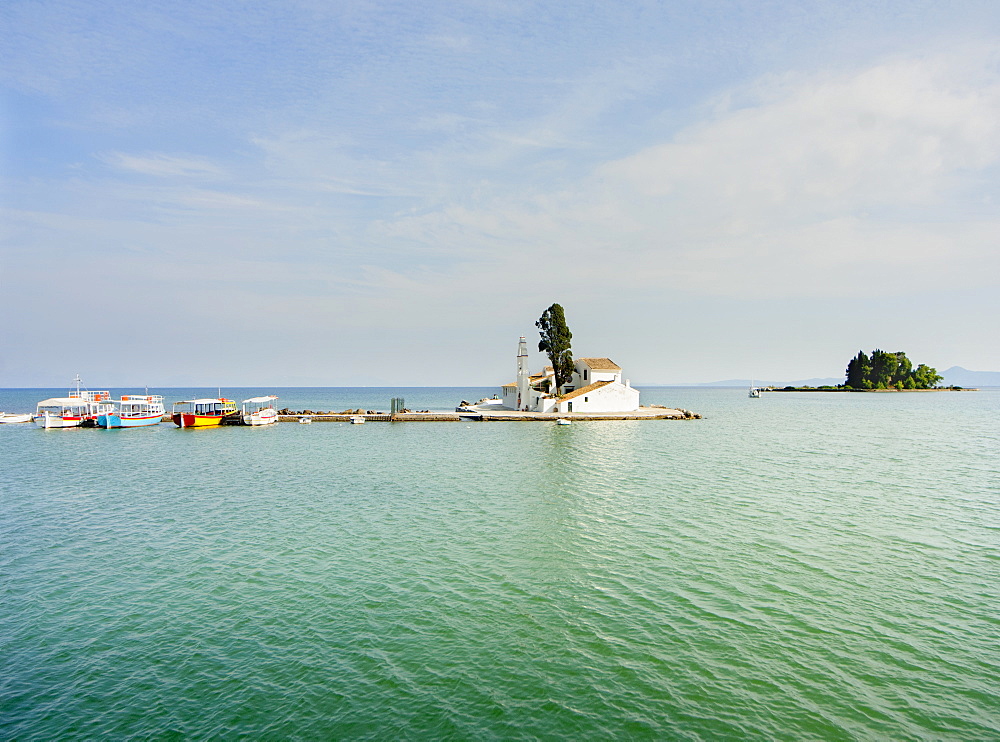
column 883, row 370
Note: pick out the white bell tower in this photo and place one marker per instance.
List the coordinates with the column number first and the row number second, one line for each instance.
column 523, row 380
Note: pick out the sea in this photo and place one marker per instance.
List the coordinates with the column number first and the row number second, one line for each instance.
column 803, row 566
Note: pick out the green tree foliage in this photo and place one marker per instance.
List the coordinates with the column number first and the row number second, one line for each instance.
column 904, row 368
column 926, row 377
column 888, row 371
column 555, row 343
column 883, row 368
column 858, row 369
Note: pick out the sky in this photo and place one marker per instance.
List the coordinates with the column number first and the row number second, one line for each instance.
column 365, row 193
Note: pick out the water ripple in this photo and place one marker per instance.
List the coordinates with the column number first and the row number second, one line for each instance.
column 766, row 573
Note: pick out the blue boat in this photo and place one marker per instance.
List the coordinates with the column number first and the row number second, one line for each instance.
column 134, row 411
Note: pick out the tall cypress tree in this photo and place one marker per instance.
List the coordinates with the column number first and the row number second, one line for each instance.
column 859, row 371
column 866, row 371
column 555, row 343
column 855, row 373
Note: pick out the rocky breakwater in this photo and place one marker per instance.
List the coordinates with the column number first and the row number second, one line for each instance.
column 290, row 416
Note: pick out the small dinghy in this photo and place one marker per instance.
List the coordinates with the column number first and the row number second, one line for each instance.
column 9, row 417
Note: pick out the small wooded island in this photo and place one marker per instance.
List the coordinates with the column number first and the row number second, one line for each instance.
column 881, row 371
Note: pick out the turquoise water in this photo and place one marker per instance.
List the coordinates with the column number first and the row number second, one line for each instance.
column 803, row 566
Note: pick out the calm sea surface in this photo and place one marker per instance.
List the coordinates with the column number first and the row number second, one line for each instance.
column 798, row 567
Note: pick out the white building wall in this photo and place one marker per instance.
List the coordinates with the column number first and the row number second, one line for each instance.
column 546, row 404
column 509, row 397
column 584, row 375
column 614, row 397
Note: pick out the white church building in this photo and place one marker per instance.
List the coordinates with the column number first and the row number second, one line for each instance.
column 596, row 386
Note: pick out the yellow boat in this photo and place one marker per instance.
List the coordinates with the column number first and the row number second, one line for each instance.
column 199, row 413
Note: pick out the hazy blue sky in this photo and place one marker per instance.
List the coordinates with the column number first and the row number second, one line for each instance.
column 363, row 192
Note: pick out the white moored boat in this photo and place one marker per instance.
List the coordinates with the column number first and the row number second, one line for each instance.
column 259, row 411
column 79, row 408
column 483, row 405
column 62, row 412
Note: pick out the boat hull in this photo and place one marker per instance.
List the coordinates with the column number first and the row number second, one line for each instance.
column 115, row 421
column 189, row 420
column 265, row 417
column 58, row 421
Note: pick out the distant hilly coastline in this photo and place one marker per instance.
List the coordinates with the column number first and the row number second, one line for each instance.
column 958, row 376
column 954, row 376
column 762, row 382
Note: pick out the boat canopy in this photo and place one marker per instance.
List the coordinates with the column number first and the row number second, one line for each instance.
column 259, row 400
column 203, row 401
column 64, row 402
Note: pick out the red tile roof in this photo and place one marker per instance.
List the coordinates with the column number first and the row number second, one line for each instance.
column 585, row 390
column 600, row 364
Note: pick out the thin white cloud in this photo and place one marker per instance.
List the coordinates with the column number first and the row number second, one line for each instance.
column 454, row 43
column 220, row 200
column 890, row 134
column 313, row 160
column 163, row 165
column 813, row 185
